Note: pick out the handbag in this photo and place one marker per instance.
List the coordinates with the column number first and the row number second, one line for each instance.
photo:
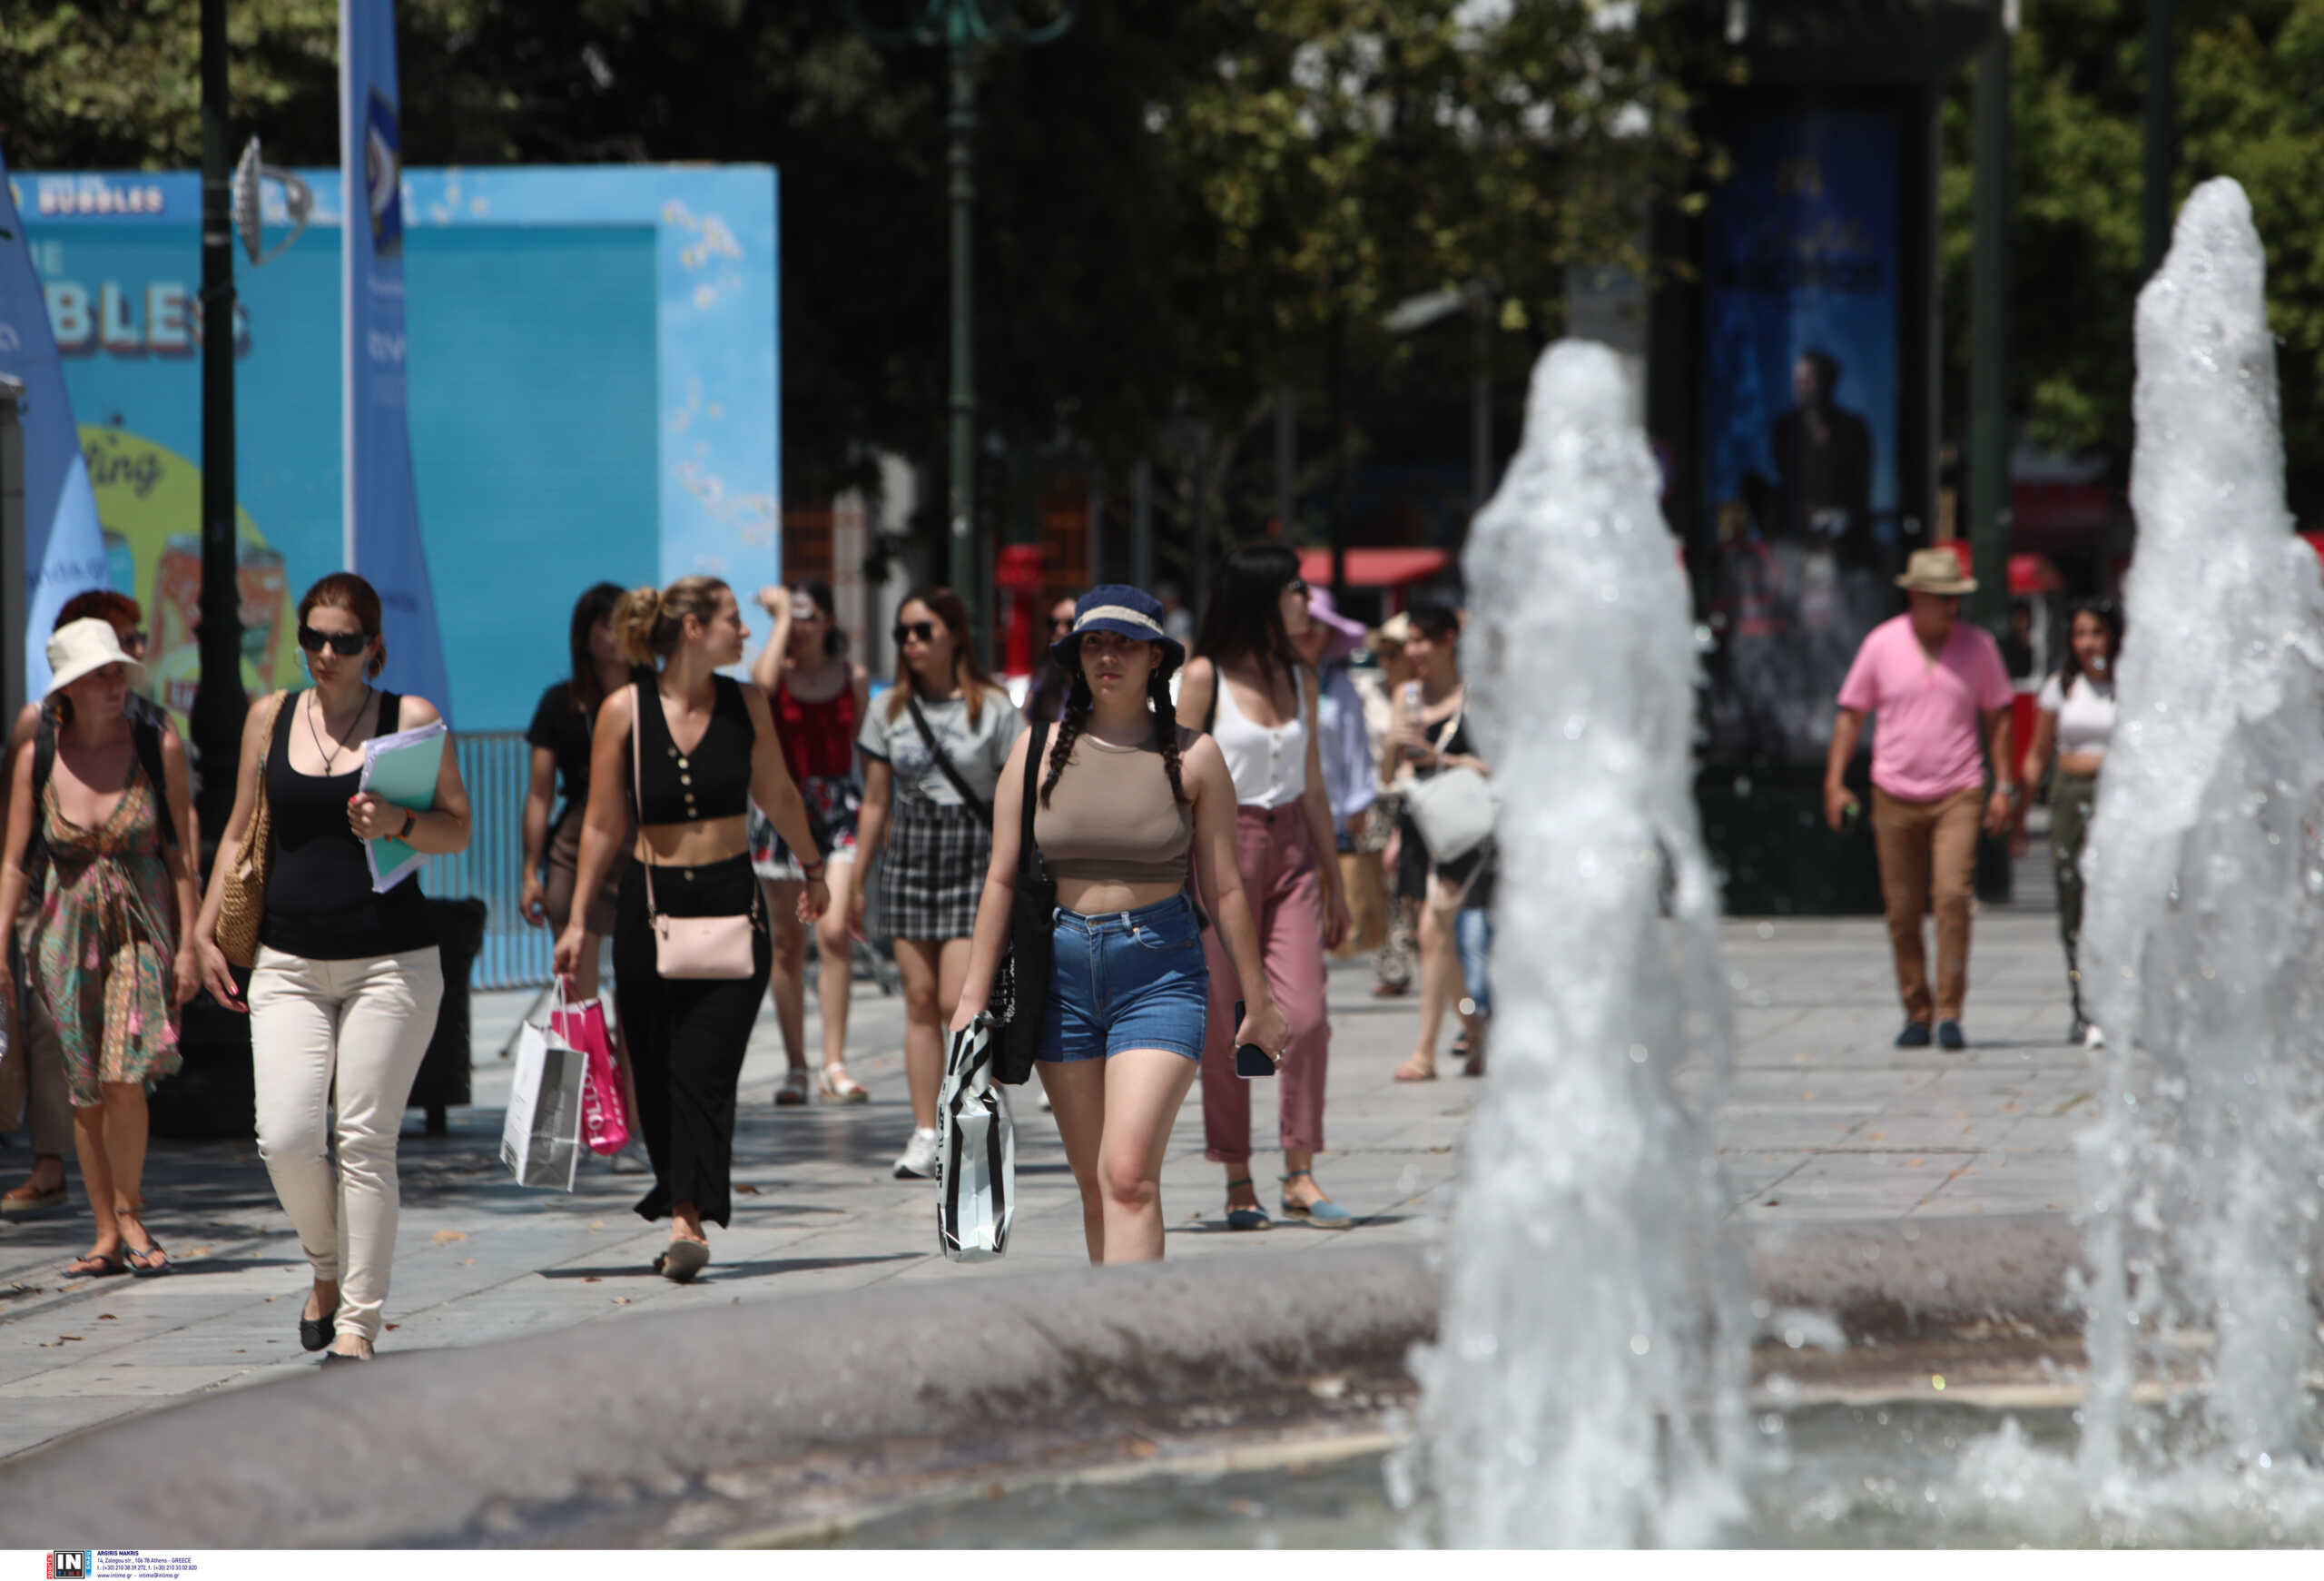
column 975, row 803
column 604, row 1117
column 540, row 1136
column 690, row 948
column 1020, row 982
column 242, row 900
column 1453, row 808
column 976, row 1152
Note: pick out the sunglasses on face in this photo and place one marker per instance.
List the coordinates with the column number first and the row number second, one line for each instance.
column 1296, row 584
column 346, row 644
column 917, row 631
column 1060, row 623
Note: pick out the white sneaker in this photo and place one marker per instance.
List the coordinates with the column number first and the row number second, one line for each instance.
column 918, row 1161
column 632, row 1160
column 2093, row 1038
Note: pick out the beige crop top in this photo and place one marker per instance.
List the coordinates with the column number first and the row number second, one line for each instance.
column 1112, row 818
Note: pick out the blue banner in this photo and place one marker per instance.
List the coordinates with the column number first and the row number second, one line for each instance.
column 63, row 545
column 1801, row 417
column 380, row 515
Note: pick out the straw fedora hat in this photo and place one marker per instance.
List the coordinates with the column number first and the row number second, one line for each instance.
column 1938, row 571
column 80, row 646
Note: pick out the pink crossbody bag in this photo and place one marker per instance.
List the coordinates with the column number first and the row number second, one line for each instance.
column 691, row 947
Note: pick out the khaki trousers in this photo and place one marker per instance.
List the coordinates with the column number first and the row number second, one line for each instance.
column 1928, row 860
column 334, row 1048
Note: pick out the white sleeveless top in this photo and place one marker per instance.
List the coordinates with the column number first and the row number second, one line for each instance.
column 1269, row 765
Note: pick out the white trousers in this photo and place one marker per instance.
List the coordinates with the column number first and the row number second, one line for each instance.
column 364, row 1024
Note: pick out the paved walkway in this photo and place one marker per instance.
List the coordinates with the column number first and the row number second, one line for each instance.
column 1825, row 1120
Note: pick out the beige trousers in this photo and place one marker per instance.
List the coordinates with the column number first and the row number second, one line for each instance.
column 1928, row 862
column 365, row 1024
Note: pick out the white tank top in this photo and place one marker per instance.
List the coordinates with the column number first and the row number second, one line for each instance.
column 1269, row 765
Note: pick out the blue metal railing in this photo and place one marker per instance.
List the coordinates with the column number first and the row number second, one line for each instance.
column 497, row 766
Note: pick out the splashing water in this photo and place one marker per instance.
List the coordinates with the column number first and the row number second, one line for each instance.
column 2200, row 1182
column 1587, row 1384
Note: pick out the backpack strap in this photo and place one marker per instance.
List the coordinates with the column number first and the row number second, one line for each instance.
column 147, row 736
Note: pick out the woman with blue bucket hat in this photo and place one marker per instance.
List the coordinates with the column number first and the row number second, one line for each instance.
column 1127, row 804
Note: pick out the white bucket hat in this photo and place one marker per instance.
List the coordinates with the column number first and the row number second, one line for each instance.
column 80, row 646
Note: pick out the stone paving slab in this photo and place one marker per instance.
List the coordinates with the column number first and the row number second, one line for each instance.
column 1826, row 1128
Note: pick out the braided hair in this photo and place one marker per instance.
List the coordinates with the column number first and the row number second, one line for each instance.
column 1074, row 718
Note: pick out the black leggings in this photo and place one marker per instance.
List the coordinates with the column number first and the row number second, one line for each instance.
column 687, row 1036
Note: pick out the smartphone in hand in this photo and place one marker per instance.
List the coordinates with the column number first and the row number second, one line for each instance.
column 1250, row 1060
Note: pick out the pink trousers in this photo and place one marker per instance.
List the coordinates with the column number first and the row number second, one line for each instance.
column 1284, row 887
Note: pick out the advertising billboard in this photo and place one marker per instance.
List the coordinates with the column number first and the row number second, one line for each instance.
column 1801, row 416
column 593, row 395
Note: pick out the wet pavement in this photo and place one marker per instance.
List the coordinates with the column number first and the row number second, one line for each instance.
column 1825, row 1122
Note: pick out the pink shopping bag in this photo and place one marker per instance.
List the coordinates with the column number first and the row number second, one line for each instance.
column 605, row 1122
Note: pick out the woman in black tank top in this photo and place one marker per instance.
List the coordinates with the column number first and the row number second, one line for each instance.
column 344, row 993
column 706, row 750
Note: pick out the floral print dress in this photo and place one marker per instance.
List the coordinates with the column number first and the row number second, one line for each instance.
column 104, row 942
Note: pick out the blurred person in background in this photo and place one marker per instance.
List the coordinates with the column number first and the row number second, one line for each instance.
column 1045, row 700
column 934, row 748
column 560, row 738
column 818, row 698
column 100, row 818
column 1249, row 691
column 48, row 1105
column 1433, row 734
column 1350, row 780
column 2074, row 726
column 1380, row 687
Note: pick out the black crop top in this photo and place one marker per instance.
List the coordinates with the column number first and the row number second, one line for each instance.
column 714, row 780
column 319, row 900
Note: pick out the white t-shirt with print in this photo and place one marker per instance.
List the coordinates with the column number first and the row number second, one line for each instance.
column 978, row 752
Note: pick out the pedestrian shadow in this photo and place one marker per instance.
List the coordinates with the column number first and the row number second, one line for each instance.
column 758, row 1268
column 1296, row 1226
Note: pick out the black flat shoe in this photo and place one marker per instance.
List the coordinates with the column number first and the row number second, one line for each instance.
column 314, row 1333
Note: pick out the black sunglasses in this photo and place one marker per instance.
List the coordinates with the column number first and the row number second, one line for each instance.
column 918, row 631
column 1060, row 623
column 346, row 644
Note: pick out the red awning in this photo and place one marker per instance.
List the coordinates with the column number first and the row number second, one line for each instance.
column 1374, row 568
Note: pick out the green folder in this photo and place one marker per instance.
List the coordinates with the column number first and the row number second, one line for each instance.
column 402, row 769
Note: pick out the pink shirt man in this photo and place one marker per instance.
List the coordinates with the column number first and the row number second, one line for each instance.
column 1924, row 740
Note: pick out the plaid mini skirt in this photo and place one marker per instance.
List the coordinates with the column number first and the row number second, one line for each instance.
column 932, row 869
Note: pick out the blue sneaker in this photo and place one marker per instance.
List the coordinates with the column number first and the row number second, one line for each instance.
column 1949, row 1036
column 1913, row 1037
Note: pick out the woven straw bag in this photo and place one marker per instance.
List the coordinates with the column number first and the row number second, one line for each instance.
column 242, row 902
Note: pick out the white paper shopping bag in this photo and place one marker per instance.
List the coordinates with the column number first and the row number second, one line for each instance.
column 540, row 1139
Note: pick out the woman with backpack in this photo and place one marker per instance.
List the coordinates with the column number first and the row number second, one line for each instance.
column 933, row 749
column 101, row 818
column 1129, row 803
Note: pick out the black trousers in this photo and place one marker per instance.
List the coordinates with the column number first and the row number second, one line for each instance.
column 687, row 1036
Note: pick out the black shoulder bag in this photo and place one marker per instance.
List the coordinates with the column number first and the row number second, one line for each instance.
column 1020, row 982
column 975, row 803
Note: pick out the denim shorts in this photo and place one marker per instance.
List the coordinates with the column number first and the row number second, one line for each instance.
column 1126, row 980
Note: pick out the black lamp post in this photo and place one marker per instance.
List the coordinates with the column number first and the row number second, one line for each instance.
column 218, row 702
column 960, row 26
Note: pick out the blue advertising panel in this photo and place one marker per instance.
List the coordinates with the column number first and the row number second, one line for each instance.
column 1801, row 415
column 593, row 395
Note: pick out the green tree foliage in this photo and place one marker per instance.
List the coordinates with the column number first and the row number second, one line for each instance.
column 2250, row 106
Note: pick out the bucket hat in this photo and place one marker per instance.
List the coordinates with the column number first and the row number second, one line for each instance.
column 1347, row 635
column 80, row 646
column 1936, row 571
column 1118, row 608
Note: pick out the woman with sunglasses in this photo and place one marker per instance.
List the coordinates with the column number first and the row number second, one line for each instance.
column 560, row 737
column 48, row 1103
column 2074, row 726
column 105, row 824
column 933, row 749
column 818, row 698
column 1045, row 701
column 1247, row 688
column 1125, row 796
column 344, row 993
column 705, row 750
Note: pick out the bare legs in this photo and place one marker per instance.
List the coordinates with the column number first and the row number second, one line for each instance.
column 932, row 971
column 788, row 981
column 1441, row 987
column 1115, row 1116
column 835, row 950
column 110, row 1138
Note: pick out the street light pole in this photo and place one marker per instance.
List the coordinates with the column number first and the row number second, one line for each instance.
column 960, row 25
column 218, row 700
